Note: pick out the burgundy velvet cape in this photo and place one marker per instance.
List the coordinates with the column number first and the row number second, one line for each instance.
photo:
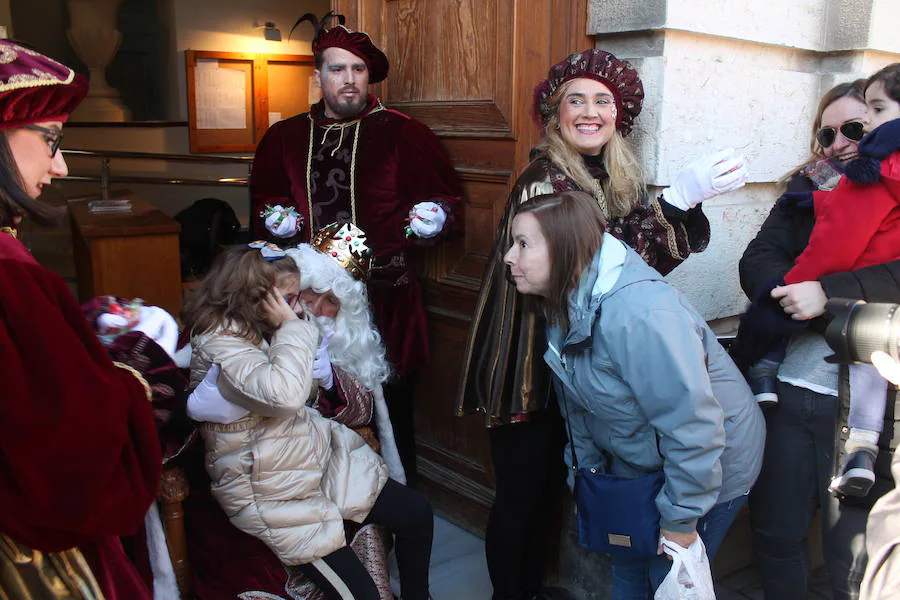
column 399, row 162
column 79, row 454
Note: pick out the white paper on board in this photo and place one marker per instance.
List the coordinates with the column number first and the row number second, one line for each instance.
column 220, row 95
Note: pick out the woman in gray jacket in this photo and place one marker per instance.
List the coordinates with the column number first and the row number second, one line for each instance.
column 641, row 378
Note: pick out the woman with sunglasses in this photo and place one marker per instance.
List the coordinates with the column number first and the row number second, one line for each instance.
column 800, row 444
column 79, row 454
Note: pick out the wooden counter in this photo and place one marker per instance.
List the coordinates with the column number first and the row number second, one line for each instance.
column 134, row 255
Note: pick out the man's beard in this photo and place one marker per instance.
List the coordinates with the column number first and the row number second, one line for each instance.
column 323, row 323
column 345, row 107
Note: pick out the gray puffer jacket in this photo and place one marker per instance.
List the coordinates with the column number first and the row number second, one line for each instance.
column 647, row 387
column 284, row 473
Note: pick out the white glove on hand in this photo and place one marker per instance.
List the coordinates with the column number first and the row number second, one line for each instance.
column 160, row 327
column 887, row 366
column 207, row 404
column 426, row 219
column 108, row 321
column 282, row 222
column 322, row 363
column 707, row 177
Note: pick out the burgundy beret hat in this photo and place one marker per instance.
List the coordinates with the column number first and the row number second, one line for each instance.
column 357, row 43
column 35, row 88
column 618, row 75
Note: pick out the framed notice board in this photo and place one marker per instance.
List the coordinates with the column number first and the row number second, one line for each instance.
column 233, row 97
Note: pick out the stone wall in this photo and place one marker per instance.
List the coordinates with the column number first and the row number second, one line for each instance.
column 741, row 74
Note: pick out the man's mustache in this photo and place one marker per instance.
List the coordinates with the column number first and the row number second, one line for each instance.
column 348, row 88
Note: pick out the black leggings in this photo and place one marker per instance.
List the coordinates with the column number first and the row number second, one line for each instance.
column 407, row 514
column 524, row 522
column 399, row 395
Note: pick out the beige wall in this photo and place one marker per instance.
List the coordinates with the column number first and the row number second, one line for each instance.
column 227, row 25
column 746, row 74
column 6, row 17
column 221, row 25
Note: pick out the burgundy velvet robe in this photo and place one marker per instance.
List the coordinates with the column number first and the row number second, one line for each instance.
column 398, row 163
column 79, row 455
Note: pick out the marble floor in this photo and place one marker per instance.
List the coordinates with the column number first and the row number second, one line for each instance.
column 458, row 567
column 459, row 571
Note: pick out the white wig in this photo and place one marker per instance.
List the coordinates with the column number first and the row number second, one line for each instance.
column 356, row 344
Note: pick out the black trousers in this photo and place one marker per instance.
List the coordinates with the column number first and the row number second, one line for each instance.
column 399, row 395
column 797, row 467
column 526, row 516
column 407, row 514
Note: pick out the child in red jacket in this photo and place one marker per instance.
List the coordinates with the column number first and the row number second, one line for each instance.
column 857, row 225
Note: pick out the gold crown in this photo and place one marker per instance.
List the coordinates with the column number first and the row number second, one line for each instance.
column 345, row 243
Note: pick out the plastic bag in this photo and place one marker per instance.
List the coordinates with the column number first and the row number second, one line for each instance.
column 690, row 577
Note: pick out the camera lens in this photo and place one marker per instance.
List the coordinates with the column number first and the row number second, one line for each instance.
column 874, row 327
column 859, row 329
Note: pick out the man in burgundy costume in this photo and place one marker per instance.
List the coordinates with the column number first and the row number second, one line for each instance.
column 351, row 159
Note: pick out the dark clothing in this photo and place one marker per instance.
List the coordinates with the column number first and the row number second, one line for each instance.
column 878, row 283
column 408, row 515
column 801, row 452
column 371, row 169
column 781, row 239
column 399, row 395
column 793, row 484
column 529, row 481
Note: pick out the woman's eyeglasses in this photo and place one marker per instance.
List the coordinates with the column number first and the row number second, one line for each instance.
column 853, row 131
column 54, row 137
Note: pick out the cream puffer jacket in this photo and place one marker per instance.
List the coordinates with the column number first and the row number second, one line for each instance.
column 284, row 473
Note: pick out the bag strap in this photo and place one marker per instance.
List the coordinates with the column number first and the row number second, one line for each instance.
column 568, row 422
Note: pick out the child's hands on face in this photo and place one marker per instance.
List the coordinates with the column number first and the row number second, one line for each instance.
column 275, row 310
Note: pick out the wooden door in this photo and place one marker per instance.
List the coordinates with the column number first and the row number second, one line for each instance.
column 466, row 68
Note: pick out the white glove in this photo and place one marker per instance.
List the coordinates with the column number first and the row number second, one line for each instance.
column 108, row 321
column 160, row 327
column 322, row 363
column 283, row 222
column 207, row 404
column 707, row 177
column 426, row 219
column 887, row 366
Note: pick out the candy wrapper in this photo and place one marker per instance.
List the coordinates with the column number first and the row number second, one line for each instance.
column 118, row 316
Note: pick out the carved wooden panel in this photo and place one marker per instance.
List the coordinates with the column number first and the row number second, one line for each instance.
column 447, row 72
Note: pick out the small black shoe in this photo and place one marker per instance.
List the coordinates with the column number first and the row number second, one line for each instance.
column 858, row 476
column 764, row 385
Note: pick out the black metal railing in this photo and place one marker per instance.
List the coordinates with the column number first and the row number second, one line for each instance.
column 106, row 177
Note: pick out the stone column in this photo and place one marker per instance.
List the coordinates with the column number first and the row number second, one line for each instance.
column 94, row 34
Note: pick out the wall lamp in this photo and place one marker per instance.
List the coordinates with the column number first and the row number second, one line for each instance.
column 270, row 32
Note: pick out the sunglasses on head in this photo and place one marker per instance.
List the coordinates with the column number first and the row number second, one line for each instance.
column 853, row 131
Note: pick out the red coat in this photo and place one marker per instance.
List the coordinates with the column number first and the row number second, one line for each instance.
column 857, row 225
column 79, row 454
column 389, row 162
